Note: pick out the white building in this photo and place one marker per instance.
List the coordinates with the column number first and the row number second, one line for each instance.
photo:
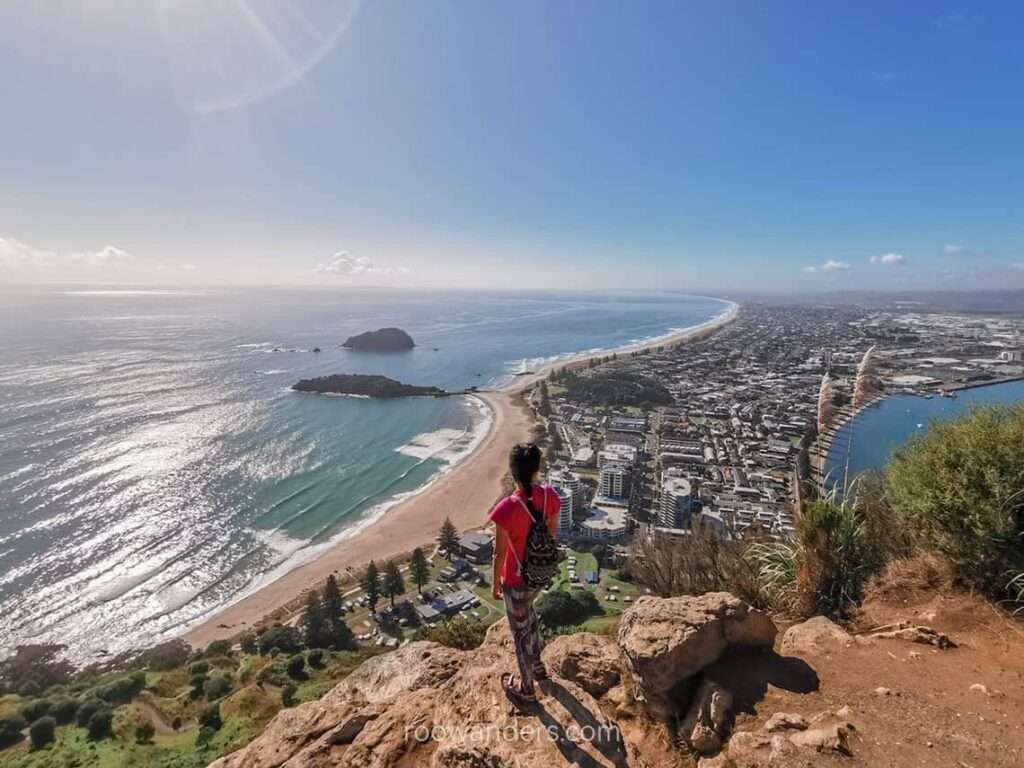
column 605, row 523
column 617, row 453
column 565, row 496
column 677, row 502
column 614, row 480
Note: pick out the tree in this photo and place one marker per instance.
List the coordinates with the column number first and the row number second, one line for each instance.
column 249, row 644
column 371, row 585
column 554, row 437
column 218, row 648
column 144, row 732
column 394, row 584
column 63, row 709
column 336, row 633
column 11, row 728
column 41, row 732
column 448, row 538
column 419, row 569
column 285, row 639
column 544, row 408
column 101, row 724
column 332, row 602
column 315, row 658
column 36, row 709
column 314, row 625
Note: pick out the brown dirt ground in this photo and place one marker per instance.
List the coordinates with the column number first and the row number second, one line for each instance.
column 932, row 716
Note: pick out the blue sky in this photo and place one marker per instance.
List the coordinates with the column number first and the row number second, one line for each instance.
column 698, row 146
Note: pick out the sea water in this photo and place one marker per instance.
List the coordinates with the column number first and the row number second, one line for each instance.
column 154, row 464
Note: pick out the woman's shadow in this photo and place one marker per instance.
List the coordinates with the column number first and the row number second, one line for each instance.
column 603, row 736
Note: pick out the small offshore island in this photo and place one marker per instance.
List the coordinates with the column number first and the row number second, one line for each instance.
column 365, row 385
column 381, row 340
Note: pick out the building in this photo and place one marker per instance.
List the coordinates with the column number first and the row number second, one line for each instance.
column 678, row 502
column 614, row 480
column 605, row 523
column 617, row 453
column 565, row 496
column 477, row 548
column 447, row 605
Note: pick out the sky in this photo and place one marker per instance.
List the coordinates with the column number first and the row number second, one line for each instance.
column 699, row 146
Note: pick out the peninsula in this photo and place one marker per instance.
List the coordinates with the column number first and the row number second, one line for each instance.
column 381, row 340
column 365, row 386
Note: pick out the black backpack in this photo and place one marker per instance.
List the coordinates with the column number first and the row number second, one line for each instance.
column 539, row 565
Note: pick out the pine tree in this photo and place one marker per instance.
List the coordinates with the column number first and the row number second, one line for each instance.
column 313, row 623
column 419, row 569
column 394, row 584
column 448, row 539
column 544, row 409
column 371, row 585
column 554, row 437
column 332, row 601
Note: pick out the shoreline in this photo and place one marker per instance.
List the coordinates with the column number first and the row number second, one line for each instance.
column 465, row 493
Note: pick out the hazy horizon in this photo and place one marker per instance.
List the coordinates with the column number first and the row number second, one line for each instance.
column 703, row 149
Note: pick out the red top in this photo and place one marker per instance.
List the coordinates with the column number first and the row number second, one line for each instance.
column 511, row 516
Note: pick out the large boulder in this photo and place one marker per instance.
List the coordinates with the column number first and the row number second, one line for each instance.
column 814, row 637
column 593, row 662
column 667, row 641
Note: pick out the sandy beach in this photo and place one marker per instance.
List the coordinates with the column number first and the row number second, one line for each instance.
column 465, row 494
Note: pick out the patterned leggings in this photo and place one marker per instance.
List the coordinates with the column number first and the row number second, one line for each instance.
column 522, row 619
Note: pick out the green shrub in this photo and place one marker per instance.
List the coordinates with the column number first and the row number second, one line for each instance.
column 42, row 731
column 144, row 732
column 285, row 639
column 217, row 687
column 210, row 717
column 87, row 709
column 199, row 668
column 297, row 667
column 834, row 561
column 123, row 689
column 63, row 709
column 249, row 644
column 288, row 695
column 316, row 658
column 36, row 709
column 101, row 724
column 218, row 648
column 960, row 489
column 462, row 633
column 560, row 608
column 11, row 728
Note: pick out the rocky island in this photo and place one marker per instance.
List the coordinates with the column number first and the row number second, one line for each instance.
column 364, row 385
column 381, row 340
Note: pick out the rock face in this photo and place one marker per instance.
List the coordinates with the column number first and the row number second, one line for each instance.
column 429, row 706
column 668, row 641
column 381, row 340
column 815, row 637
column 365, row 386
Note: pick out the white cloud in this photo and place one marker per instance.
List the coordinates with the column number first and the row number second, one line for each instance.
column 16, row 255
column 189, row 267
column 1019, row 266
column 829, row 266
column 345, row 264
column 888, row 258
column 952, row 249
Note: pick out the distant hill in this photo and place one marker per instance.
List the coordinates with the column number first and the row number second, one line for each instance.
column 381, row 340
column 365, row 386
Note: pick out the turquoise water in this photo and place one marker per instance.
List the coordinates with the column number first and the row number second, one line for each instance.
column 154, row 465
column 870, row 438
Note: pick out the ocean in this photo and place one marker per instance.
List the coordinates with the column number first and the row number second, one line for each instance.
column 155, row 466
column 871, row 437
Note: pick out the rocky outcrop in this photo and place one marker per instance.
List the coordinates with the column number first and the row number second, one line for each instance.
column 815, row 637
column 668, row 641
column 381, row 340
column 426, row 705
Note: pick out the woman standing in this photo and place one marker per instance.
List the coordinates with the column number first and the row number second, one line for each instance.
column 525, row 559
